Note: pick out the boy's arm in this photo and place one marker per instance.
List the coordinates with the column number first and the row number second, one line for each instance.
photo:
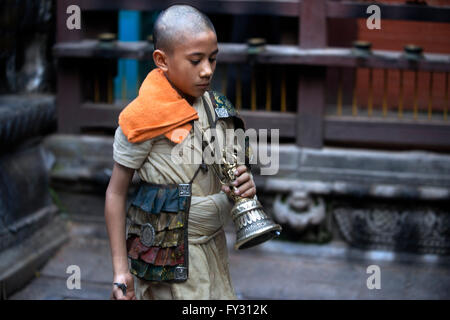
column 115, row 215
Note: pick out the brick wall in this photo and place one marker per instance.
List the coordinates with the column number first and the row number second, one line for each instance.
column 394, row 35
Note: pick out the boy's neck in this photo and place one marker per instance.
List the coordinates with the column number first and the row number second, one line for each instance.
column 188, row 98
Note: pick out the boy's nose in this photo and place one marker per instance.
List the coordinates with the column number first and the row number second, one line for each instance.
column 206, row 71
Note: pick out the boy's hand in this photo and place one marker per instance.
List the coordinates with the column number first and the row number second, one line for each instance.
column 244, row 183
column 117, row 293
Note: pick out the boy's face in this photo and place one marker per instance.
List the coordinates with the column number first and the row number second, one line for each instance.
column 191, row 64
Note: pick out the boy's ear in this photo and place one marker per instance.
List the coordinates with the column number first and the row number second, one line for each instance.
column 160, row 59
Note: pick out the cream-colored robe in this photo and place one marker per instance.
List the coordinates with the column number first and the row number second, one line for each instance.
column 209, row 276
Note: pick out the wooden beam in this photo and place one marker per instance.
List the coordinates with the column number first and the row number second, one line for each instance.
column 341, row 57
column 386, row 131
column 68, row 95
column 349, row 9
column 273, row 54
column 140, row 50
column 285, row 122
column 106, row 116
column 311, row 106
column 287, row 8
column 99, row 115
column 313, row 24
column 335, row 129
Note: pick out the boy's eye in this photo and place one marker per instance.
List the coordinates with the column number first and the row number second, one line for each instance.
column 195, row 62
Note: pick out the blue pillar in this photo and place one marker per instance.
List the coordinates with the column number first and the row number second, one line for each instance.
column 126, row 82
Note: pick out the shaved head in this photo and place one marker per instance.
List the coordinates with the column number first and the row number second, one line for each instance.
column 177, row 22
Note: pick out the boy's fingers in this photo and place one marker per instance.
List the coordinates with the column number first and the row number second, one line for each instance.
column 117, row 294
column 245, row 187
column 241, row 179
column 249, row 193
column 241, row 169
column 120, row 296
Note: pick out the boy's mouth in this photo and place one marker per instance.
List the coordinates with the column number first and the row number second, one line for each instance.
column 203, row 85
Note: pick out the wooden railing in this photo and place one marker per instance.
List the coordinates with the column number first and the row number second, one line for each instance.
column 85, row 72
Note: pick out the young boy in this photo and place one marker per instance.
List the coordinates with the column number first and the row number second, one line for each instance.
column 172, row 100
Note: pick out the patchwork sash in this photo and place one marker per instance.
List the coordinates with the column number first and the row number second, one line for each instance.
column 157, row 232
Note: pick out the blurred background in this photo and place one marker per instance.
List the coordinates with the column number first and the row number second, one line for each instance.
column 364, row 131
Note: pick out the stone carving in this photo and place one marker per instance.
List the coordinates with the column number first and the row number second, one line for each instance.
column 418, row 229
column 299, row 211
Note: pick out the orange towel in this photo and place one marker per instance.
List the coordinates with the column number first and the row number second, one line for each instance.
column 158, row 109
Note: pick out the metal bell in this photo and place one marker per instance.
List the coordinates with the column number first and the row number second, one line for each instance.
column 253, row 225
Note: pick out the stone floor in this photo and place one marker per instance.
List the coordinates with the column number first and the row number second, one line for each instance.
column 274, row 270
